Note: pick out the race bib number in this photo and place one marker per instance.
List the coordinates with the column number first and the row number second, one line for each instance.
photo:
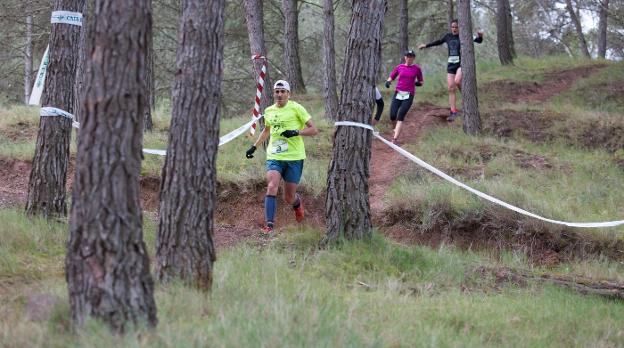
column 402, row 95
column 453, row 59
column 279, row 146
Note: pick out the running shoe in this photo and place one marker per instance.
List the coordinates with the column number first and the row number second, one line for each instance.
column 266, row 230
column 452, row 116
column 299, row 214
column 395, row 142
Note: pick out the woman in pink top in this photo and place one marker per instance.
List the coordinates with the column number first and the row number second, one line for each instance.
column 410, row 76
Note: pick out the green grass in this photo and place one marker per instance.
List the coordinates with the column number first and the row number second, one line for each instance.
column 290, row 293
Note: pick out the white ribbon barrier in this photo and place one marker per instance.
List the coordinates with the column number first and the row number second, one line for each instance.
column 222, row 140
column 476, row 192
column 35, row 94
column 51, row 112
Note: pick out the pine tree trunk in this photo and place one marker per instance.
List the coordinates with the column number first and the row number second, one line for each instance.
column 148, row 124
column 254, row 15
column 603, row 14
column 347, row 208
column 329, row 62
column 503, row 15
column 450, row 13
column 107, row 266
column 470, row 100
column 510, row 37
column 28, row 56
column 46, row 186
column 291, row 46
column 184, row 247
column 579, row 29
column 403, row 28
column 79, row 85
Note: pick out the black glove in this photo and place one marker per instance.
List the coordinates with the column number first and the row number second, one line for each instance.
column 249, row 153
column 387, row 84
column 418, row 84
column 290, row 133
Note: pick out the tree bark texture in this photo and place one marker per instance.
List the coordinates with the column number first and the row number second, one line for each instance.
column 347, row 208
column 503, row 17
column 470, row 100
column 148, row 124
column 403, row 28
column 254, row 15
column 79, row 85
column 450, row 13
column 578, row 27
column 184, row 246
column 603, row 15
column 291, row 46
column 46, row 186
column 107, row 266
column 28, row 56
column 329, row 62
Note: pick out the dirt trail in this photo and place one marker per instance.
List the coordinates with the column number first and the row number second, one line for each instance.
column 240, row 214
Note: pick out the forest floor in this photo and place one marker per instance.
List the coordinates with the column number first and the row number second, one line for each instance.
column 239, row 215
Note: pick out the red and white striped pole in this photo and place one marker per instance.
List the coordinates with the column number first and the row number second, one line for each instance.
column 259, row 88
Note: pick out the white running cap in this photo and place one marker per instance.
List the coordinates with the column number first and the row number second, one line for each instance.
column 282, row 84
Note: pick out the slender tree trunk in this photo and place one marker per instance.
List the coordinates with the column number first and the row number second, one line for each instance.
column 107, row 266
column 503, row 16
column 347, row 208
column 470, row 100
column 329, row 62
column 79, row 85
column 46, row 187
column 148, row 124
column 578, row 27
column 291, row 46
column 28, row 55
column 602, row 28
column 450, row 13
column 254, row 15
column 403, row 28
column 184, row 247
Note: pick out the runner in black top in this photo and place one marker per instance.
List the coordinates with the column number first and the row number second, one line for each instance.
column 453, row 69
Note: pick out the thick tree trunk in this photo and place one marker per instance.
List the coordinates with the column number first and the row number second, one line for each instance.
column 347, row 208
column 470, row 100
column 291, row 46
column 107, row 266
column 28, row 56
column 602, row 28
column 579, row 28
column 329, row 62
column 503, row 41
column 46, row 187
column 184, row 247
column 403, row 28
column 254, row 15
column 79, row 85
column 450, row 12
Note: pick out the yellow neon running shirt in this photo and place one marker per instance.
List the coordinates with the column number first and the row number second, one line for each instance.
column 291, row 116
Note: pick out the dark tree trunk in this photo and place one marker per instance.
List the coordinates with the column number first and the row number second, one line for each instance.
column 578, row 27
column 470, row 100
column 403, row 28
column 329, row 62
column 79, row 85
column 503, row 25
column 184, row 247
column 28, row 55
column 107, row 266
column 148, row 124
column 254, row 15
column 602, row 28
column 291, row 46
column 347, row 209
column 46, row 187
column 450, row 12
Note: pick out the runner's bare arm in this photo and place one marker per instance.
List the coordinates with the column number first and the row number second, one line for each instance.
column 264, row 135
column 309, row 130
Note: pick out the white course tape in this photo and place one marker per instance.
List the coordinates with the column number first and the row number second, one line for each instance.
column 66, row 17
column 476, row 192
column 49, row 111
column 35, row 94
column 222, row 141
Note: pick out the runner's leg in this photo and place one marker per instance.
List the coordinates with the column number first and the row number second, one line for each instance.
column 450, row 81
column 270, row 202
column 458, row 78
column 405, row 106
column 394, row 109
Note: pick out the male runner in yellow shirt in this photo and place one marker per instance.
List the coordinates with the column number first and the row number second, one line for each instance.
column 285, row 123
